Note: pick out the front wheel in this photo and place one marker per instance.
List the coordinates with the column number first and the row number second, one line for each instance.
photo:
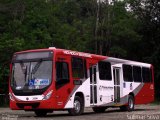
column 78, row 107
column 40, row 113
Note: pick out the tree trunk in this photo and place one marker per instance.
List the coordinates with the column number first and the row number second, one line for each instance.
column 96, row 29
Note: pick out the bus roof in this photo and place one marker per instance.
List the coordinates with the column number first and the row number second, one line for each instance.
column 88, row 55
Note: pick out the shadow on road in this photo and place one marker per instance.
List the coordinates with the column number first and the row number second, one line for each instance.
column 57, row 115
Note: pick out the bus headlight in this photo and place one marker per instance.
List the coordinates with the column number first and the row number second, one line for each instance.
column 48, row 95
column 11, row 97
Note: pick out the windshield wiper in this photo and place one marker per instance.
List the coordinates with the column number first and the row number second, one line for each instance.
column 34, row 70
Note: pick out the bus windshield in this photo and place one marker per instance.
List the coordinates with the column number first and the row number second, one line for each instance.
column 31, row 73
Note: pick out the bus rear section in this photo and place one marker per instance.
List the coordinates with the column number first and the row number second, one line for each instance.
column 138, row 82
column 53, row 79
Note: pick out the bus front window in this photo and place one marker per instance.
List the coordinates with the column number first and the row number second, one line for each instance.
column 31, row 75
column 31, row 72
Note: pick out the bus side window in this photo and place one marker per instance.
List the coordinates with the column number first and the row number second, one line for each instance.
column 137, row 74
column 77, row 68
column 146, row 74
column 127, row 73
column 62, row 74
column 85, row 68
column 104, row 70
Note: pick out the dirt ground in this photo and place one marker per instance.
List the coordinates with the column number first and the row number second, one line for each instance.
column 142, row 112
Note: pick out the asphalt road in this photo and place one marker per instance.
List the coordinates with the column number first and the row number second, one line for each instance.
column 142, row 112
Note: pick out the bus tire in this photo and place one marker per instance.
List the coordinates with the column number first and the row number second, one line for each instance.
column 130, row 106
column 40, row 113
column 78, row 107
column 99, row 109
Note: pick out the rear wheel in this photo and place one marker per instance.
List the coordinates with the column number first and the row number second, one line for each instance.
column 40, row 113
column 78, row 107
column 130, row 103
column 130, row 106
column 99, row 109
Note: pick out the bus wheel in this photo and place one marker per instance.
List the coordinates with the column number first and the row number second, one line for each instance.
column 130, row 106
column 99, row 109
column 78, row 106
column 40, row 113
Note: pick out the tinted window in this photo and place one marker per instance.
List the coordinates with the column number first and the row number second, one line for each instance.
column 146, row 74
column 62, row 74
column 77, row 68
column 137, row 74
column 104, row 70
column 127, row 73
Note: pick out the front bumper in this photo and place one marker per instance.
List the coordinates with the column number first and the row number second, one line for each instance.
column 30, row 105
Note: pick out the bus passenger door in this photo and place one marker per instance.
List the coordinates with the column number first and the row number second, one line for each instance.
column 93, row 85
column 117, row 87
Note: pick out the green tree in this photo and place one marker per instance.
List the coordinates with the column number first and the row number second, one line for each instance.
column 116, row 32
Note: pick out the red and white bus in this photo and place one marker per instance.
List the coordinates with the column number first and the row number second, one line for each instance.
column 46, row 80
